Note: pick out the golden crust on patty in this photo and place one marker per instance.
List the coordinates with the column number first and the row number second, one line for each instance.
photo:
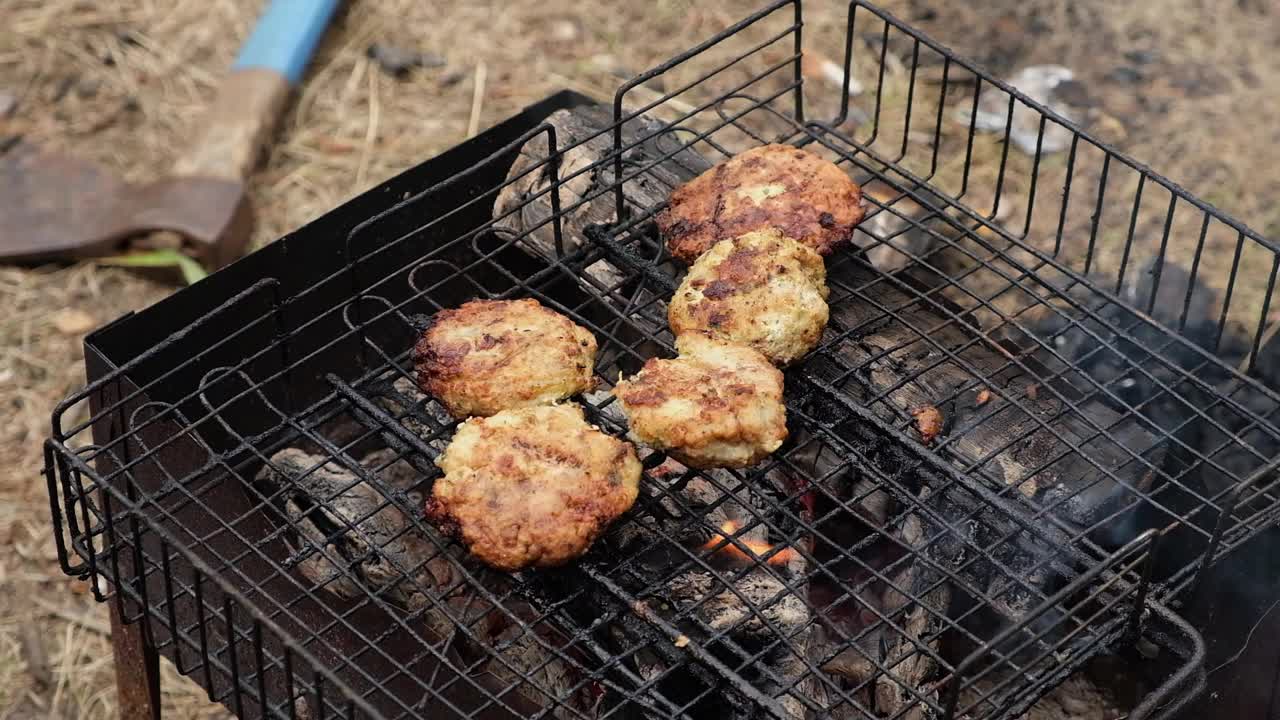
column 761, row 289
column 532, row 487
column 492, row 355
column 773, row 186
column 717, row 405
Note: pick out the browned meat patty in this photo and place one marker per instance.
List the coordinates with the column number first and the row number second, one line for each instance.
column 717, row 405
column 532, row 487
column 774, row 186
column 761, row 290
column 492, row 355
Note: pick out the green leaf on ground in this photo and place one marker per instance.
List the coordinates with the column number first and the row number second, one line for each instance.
column 191, row 270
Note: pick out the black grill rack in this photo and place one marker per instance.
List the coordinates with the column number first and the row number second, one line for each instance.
column 178, row 512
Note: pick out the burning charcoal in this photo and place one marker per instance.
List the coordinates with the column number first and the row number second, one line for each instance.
column 353, row 542
column 852, row 638
column 525, row 654
column 922, row 623
column 899, row 226
column 323, row 502
column 417, row 413
column 752, row 611
column 1077, row 698
column 1135, row 362
column 1045, row 465
column 1162, row 380
column 748, row 609
column 840, row 480
column 425, row 417
column 1130, row 363
column 582, row 181
column 858, row 616
column 1245, row 447
column 1267, row 365
column 601, row 404
column 746, row 600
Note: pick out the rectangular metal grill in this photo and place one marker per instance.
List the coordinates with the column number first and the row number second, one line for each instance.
column 861, row 572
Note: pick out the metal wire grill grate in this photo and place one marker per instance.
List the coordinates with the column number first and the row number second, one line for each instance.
column 254, row 493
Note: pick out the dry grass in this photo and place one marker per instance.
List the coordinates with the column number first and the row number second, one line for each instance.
column 122, row 83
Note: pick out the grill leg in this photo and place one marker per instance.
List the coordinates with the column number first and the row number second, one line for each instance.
column 137, row 670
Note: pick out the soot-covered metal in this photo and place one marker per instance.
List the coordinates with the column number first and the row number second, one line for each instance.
column 1005, row 461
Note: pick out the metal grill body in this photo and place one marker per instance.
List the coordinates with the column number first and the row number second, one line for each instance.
column 251, row 492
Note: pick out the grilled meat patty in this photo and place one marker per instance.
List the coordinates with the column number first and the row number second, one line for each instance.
column 773, row 186
column 762, row 290
column 492, row 355
column 716, row 405
column 532, row 487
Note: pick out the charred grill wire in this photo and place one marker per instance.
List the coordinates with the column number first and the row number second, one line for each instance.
column 1006, row 456
column 1015, row 602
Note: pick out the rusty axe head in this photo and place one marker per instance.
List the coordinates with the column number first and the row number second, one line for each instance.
column 56, row 207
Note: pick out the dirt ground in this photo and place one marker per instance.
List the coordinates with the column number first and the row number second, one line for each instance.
column 1188, row 86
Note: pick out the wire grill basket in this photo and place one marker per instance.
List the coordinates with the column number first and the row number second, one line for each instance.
column 252, row 492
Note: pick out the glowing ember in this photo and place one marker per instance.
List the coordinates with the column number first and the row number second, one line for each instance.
column 929, row 422
column 723, row 546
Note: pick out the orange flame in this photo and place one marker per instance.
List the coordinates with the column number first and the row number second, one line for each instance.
column 724, row 546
